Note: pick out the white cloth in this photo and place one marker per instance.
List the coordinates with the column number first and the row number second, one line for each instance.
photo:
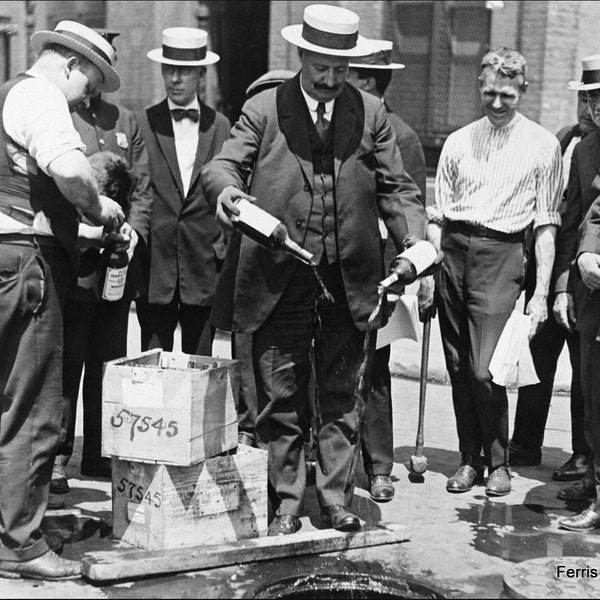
column 36, row 117
column 512, row 360
column 186, row 142
column 503, row 178
column 403, row 322
column 312, row 104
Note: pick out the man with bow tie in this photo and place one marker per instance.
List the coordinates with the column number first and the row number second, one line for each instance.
column 186, row 244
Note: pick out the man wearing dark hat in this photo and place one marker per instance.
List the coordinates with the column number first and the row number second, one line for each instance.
column 187, row 245
column 372, row 74
column 45, row 180
column 320, row 156
column 95, row 329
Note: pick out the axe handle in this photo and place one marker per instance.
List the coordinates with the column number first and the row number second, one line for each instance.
column 423, row 384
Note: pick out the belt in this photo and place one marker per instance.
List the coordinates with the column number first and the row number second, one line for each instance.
column 481, row 231
column 27, row 239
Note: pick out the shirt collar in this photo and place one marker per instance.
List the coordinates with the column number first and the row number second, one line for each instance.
column 312, row 104
column 193, row 104
column 508, row 127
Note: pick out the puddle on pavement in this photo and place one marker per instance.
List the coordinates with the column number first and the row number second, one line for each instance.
column 522, row 532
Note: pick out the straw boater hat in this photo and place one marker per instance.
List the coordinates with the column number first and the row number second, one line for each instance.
column 590, row 78
column 380, row 59
column 86, row 42
column 328, row 29
column 184, row 46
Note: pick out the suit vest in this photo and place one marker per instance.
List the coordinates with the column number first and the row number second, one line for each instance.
column 21, row 193
column 321, row 231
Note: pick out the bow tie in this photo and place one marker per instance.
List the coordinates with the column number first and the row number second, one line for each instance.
column 187, row 113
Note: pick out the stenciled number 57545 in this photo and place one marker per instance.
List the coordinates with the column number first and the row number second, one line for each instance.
column 142, row 424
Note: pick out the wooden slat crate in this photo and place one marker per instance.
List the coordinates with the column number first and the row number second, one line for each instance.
column 220, row 500
column 170, row 408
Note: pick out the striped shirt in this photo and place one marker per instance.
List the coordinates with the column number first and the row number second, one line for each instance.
column 502, row 178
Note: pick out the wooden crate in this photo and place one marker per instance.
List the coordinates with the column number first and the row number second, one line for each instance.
column 170, row 408
column 220, row 500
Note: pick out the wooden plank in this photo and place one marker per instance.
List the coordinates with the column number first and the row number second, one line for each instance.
column 130, row 564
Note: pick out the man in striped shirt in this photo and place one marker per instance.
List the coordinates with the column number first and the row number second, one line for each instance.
column 499, row 179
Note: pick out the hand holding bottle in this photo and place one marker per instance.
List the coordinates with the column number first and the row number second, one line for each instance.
column 227, row 211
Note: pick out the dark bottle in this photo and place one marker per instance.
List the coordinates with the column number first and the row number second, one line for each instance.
column 113, row 274
column 267, row 230
column 413, row 262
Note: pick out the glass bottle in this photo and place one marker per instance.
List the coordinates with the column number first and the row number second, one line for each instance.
column 113, row 276
column 411, row 263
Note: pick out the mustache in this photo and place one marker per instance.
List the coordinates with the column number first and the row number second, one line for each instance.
column 327, row 88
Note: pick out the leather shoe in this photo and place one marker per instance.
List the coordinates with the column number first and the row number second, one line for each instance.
column 381, row 488
column 468, row 474
column 588, row 520
column 59, row 483
column 525, row 459
column 340, row 518
column 575, row 468
column 498, row 483
column 49, row 566
column 584, row 489
column 284, row 525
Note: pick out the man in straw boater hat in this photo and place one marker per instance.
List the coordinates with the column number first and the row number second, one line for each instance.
column 95, row 329
column 182, row 133
column 580, row 147
column 45, row 179
column 373, row 74
column 579, row 306
column 320, row 156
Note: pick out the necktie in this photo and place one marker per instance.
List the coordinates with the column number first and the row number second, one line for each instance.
column 322, row 123
column 188, row 113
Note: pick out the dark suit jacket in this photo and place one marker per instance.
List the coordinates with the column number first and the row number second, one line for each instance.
column 587, row 301
column 107, row 126
column 187, row 245
column 582, row 190
column 271, row 142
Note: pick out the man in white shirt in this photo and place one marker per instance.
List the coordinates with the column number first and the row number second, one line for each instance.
column 181, row 134
column 498, row 178
column 45, row 180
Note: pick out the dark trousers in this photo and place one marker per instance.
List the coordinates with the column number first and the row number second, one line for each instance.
column 241, row 350
column 590, row 378
column 282, row 365
column 34, row 278
column 533, row 401
column 476, row 292
column 196, row 333
column 378, row 434
column 94, row 332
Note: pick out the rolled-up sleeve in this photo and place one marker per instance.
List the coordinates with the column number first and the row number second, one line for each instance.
column 549, row 185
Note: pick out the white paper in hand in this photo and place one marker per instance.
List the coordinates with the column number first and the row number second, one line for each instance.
column 403, row 322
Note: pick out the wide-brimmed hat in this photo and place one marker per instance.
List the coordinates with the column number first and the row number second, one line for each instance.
column 184, row 46
column 328, row 29
column 268, row 80
column 84, row 41
column 590, row 78
column 379, row 59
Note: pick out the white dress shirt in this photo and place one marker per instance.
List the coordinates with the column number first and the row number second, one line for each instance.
column 312, row 107
column 186, row 142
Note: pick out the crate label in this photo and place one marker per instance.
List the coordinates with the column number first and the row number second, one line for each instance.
column 210, row 499
column 142, row 391
column 136, row 513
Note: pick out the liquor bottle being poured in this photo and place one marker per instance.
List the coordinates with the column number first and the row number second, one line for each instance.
column 267, row 230
column 418, row 260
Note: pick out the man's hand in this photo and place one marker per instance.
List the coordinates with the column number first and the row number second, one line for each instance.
column 226, row 208
column 125, row 239
column 425, row 298
column 589, row 267
column 538, row 309
column 111, row 215
column 564, row 310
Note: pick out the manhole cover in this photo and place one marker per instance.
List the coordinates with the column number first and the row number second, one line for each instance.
column 334, row 586
column 556, row 577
